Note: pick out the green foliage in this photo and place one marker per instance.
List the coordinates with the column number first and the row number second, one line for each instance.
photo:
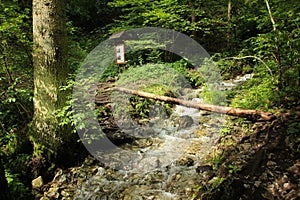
column 153, row 74
column 216, row 181
column 16, row 172
column 16, row 187
column 140, row 107
column 90, row 14
column 283, row 60
column 230, row 68
column 192, row 75
column 14, row 29
column 65, row 114
column 212, row 95
column 233, row 169
column 258, row 93
column 15, row 75
column 8, row 141
column 196, row 190
column 280, row 44
column 111, row 72
column 144, row 56
column 76, row 54
column 225, row 131
column 16, row 91
column 157, row 79
column 216, row 160
column 78, row 50
column 170, row 14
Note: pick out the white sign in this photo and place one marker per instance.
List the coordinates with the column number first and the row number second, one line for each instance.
column 120, row 54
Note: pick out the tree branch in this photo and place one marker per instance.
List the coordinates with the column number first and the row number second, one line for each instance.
column 271, row 15
column 263, row 62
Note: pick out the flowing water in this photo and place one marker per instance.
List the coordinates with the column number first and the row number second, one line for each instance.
column 181, row 145
column 173, row 154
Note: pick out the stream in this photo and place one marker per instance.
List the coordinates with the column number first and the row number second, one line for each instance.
column 168, row 166
column 172, row 156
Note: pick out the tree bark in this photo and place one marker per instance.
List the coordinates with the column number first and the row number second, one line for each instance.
column 4, row 192
column 193, row 18
column 255, row 114
column 229, row 24
column 50, row 72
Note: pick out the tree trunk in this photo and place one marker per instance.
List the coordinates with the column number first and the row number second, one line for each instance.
column 4, row 192
column 193, row 18
column 277, row 53
column 50, row 73
column 229, row 25
column 255, row 114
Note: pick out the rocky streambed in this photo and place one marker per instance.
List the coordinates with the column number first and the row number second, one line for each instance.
column 173, row 156
column 170, row 164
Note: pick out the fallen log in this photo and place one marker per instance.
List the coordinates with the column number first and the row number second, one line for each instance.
column 254, row 114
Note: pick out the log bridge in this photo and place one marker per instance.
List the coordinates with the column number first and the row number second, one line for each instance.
column 104, row 90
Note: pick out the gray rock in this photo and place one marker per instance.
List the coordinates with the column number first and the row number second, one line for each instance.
column 185, row 121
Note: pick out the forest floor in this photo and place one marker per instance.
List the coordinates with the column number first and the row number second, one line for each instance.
column 262, row 162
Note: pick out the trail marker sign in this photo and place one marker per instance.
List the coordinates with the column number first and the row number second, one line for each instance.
column 120, row 54
column 119, row 46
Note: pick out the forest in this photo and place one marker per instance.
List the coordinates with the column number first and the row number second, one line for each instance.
column 140, row 99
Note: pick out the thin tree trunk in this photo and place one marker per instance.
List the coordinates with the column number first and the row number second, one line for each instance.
column 271, row 15
column 229, row 24
column 277, row 53
column 193, row 18
column 255, row 114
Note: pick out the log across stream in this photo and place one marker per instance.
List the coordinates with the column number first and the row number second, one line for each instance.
column 254, row 114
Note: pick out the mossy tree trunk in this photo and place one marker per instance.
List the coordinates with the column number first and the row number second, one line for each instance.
column 50, row 73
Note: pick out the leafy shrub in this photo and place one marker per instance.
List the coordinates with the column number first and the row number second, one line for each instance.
column 257, row 93
column 16, row 187
column 145, row 108
column 193, row 75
